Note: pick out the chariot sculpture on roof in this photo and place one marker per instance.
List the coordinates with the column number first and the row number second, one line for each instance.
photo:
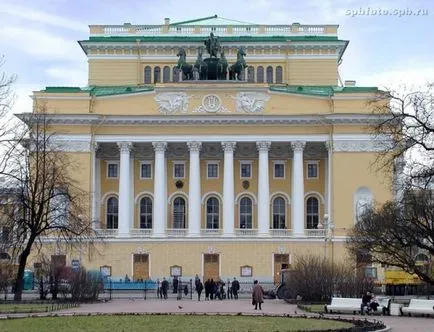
column 214, row 67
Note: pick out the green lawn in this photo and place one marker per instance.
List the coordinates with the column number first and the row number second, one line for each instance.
column 26, row 308
column 314, row 307
column 168, row 323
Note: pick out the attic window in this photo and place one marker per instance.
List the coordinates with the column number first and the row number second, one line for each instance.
column 178, row 29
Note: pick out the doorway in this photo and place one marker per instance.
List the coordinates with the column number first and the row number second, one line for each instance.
column 211, row 266
column 140, row 267
column 281, row 262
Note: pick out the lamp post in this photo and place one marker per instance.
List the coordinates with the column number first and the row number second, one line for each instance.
column 328, row 227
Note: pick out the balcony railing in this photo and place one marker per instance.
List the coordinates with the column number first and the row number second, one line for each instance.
column 246, row 232
column 106, row 233
column 177, row 232
column 315, row 232
column 281, row 232
column 294, row 29
column 141, row 232
column 211, row 232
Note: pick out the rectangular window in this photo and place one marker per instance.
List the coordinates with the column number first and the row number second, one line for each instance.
column 178, row 170
column 279, row 170
column 112, row 170
column 246, row 170
column 312, row 170
column 146, row 171
column 212, row 171
column 371, row 272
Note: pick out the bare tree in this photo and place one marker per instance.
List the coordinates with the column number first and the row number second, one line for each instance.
column 407, row 130
column 397, row 233
column 49, row 206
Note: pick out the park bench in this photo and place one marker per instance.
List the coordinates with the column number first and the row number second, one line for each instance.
column 416, row 306
column 343, row 304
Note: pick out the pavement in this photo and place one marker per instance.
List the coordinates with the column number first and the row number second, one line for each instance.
column 270, row 307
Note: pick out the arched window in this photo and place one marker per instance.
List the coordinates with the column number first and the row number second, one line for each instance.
column 175, row 74
column 179, row 213
column 157, row 72
column 279, row 213
column 260, row 74
column 246, row 213
column 145, row 212
column 148, row 75
column 422, row 259
column 251, row 74
column 269, row 74
column 212, row 213
column 112, row 213
column 166, row 74
column 312, row 213
column 279, row 74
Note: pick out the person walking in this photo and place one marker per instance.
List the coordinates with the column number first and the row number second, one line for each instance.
column 257, row 295
column 199, row 288
column 207, row 289
column 235, row 288
column 164, row 288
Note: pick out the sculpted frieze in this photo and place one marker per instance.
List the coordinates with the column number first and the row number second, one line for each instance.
column 251, row 102
column 172, row 102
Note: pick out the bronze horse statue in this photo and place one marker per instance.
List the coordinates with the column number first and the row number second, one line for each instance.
column 201, row 65
column 222, row 67
column 186, row 68
column 238, row 67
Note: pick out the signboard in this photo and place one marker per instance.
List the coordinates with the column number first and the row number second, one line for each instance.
column 75, row 265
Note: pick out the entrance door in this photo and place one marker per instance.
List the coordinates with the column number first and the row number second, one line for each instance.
column 211, row 264
column 281, row 262
column 141, row 267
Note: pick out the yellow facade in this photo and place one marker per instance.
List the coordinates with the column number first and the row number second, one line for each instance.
column 295, row 116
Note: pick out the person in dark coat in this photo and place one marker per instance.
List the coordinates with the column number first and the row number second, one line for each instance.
column 257, row 295
column 207, row 289
column 366, row 300
column 199, row 288
column 212, row 289
column 235, row 288
column 175, row 284
column 164, row 288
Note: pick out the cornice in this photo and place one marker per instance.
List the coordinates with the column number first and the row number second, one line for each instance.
column 214, row 119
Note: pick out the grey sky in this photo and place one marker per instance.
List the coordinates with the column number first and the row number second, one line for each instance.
column 38, row 38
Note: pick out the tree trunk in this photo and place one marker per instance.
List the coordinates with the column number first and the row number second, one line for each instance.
column 19, row 281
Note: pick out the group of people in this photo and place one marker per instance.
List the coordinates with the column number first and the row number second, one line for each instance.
column 217, row 289
column 369, row 303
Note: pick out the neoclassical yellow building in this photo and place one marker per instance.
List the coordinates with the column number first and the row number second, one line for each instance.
column 217, row 178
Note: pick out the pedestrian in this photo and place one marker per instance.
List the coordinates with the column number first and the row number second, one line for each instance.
column 366, row 300
column 196, row 281
column 257, row 295
column 175, row 284
column 164, row 288
column 229, row 290
column 235, row 288
column 207, row 289
column 159, row 295
column 199, row 289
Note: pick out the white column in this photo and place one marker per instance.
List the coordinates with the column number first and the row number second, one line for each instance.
column 228, row 189
column 263, row 189
column 160, row 203
column 194, row 199
column 297, row 201
column 125, row 212
column 95, row 184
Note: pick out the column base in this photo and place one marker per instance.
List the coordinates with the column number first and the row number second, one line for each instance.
column 159, row 235
column 228, row 235
column 124, row 235
column 264, row 234
column 193, row 235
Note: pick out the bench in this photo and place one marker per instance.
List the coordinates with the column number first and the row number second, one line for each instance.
column 416, row 306
column 343, row 304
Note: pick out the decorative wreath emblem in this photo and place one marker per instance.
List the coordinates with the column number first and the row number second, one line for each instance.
column 179, row 184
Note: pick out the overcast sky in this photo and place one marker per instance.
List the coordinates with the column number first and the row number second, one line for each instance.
column 38, row 38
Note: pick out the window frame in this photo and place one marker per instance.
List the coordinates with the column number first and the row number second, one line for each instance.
column 178, row 162
column 311, row 215
column 279, row 162
column 246, row 162
column 251, row 213
column 218, row 212
column 312, row 162
column 146, row 162
column 212, row 162
column 106, row 212
column 185, row 212
column 284, row 214
column 140, row 212
column 112, row 162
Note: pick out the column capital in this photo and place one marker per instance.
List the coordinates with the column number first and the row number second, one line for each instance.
column 229, row 146
column 298, row 145
column 159, row 146
column 94, row 146
column 263, row 146
column 328, row 145
column 125, row 146
column 194, row 146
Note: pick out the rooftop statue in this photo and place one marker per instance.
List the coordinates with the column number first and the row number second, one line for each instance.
column 186, row 68
column 238, row 67
column 212, row 45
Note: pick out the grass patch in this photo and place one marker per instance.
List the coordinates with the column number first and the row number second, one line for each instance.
column 316, row 308
column 31, row 307
column 177, row 323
